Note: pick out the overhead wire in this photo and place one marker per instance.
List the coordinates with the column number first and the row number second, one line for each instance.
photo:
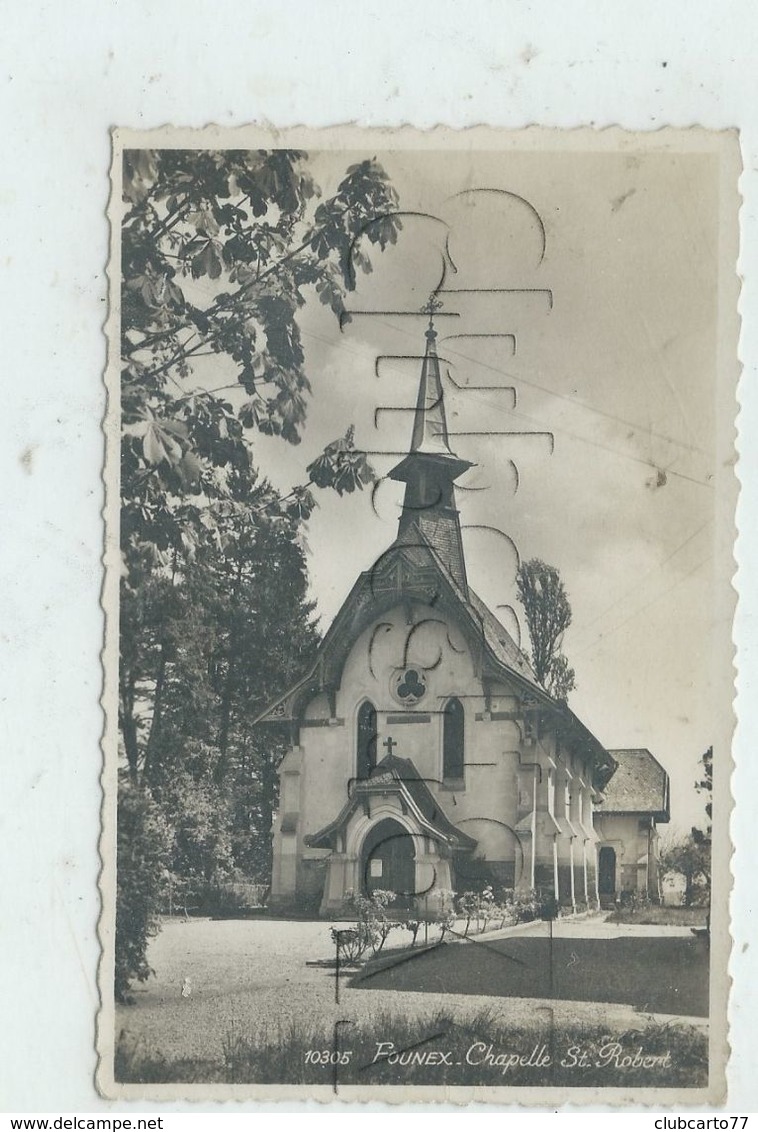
column 677, row 582
column 582, row 629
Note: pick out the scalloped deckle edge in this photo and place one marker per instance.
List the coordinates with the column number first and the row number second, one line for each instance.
column 534, row 140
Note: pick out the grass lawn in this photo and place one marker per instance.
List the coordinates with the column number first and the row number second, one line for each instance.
column 441, row 1050
column 263, row 994
column 660, row 914
column 659, row 975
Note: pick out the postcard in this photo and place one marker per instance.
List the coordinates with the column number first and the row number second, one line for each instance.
column 419, row 669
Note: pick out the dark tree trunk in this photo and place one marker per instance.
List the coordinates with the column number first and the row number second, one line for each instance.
column 268, row 802
column 227, row 695
column 128, row 725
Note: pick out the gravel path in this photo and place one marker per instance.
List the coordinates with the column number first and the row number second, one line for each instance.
column 252, row 975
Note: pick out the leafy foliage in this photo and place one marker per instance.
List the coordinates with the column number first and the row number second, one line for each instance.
column 341, row 466
column 689, row 856
column 704, row 784
column 220, row 251
column 372, row 928
column 548, row 615
column 203, row 652
column 144, row 840
column 484, row 910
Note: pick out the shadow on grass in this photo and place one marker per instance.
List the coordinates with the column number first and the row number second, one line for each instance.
column 657, row 974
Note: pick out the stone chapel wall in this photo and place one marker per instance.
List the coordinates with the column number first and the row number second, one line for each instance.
column 485, row 804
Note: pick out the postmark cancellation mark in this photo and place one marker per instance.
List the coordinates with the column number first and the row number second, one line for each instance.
column 418, row 719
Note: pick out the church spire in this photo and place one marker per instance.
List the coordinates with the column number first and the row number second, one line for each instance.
column 429, row 424
column 431, row 467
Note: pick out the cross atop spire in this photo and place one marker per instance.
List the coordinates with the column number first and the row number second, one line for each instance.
column 430, row 307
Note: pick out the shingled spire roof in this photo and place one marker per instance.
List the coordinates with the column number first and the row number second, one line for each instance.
column 430, row 469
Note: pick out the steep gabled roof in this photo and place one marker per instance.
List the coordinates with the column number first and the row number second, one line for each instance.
column 414, row 570
column 420, row 562
column 639, row 785
column 401, row 776
column 487, row 626
column 500, row 641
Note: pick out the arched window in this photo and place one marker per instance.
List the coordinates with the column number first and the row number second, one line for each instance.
column 452, row 740
column 366, row 744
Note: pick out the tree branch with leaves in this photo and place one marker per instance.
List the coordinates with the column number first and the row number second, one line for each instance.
column 220, row 252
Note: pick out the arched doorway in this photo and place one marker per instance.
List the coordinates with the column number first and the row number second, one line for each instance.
column 388, row 861
column 606, row 880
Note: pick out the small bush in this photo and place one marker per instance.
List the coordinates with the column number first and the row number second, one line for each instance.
column 233, row 898
column 483, row 911
column 143, row 852
column 372, row 928
column 660, row 914
column 351, row 943
column 413, row 927
column 634, row 901
column 526, row 906
column 467, row 906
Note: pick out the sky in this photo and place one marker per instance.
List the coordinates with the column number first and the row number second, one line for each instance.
column 590, row 367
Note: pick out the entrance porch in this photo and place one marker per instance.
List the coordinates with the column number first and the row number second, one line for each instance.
column 393, row 836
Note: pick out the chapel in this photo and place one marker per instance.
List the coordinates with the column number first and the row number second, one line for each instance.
column 424, row 758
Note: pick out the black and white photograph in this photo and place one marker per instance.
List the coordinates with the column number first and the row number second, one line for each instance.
column 419, row 671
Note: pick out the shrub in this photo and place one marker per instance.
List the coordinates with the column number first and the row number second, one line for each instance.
column 634, row 901
column 372, row 928
column 521, row 907
column 505, row 914
column 446, row 921
column 446, row 915
column 234, row 898
column 413, row 927
column 350, row 943
column 468, row 905
column 511, row 909
column 143, row 852
column 444, row 918
column 483, row 909
column 487, row 908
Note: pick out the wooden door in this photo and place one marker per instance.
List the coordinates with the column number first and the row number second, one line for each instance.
column 388, row 861
column 607, row 871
